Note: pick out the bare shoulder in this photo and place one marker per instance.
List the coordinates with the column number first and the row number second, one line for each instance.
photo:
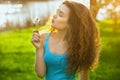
column 43, row 36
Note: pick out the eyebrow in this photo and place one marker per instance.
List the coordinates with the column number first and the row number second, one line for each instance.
column 60, row 11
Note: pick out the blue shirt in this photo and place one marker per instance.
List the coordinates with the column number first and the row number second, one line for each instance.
column 56, row 64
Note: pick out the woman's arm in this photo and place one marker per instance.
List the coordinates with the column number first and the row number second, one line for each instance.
column 83, row 75
column 40, row 66
column 38, row 42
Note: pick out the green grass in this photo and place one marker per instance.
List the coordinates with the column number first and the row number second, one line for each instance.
column 17, row 55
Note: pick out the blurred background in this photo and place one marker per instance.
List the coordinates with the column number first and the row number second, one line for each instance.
column 17, row 55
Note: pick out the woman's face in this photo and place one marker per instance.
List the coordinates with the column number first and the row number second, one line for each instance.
column 60, row 19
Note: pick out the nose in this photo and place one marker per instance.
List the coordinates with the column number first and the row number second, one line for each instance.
column 55, row 16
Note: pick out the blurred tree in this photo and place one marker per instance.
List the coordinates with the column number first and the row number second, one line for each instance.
column 95, row 5
column 113, row 14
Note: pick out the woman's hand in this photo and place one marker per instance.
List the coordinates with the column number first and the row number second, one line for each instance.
column 37, row 40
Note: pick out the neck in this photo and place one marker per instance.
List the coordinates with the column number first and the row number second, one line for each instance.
column 61, row 34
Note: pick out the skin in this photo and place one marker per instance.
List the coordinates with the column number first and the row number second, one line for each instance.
column 56, row 42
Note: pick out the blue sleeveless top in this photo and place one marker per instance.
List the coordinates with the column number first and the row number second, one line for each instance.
column 56, row 64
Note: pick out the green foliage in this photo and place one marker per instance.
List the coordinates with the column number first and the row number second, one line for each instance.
column 17, row 55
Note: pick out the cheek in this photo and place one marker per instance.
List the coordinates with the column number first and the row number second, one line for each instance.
column 62, row 23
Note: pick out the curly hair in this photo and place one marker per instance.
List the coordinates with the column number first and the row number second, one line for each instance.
column 82, row 38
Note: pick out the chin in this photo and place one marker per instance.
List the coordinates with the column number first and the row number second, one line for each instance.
column 53, row 26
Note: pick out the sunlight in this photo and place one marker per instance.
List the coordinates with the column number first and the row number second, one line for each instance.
column 8, row 9
column 117, row 9
column 2, row 20
column 3, row 9
column 84, row 2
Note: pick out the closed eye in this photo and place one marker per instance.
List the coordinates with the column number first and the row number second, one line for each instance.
column 60, row 12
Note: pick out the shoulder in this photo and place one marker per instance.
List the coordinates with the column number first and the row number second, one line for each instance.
column 44, row 36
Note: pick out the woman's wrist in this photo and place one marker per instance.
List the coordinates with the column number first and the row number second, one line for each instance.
column 40, row 51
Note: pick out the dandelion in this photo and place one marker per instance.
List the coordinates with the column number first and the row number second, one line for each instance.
column 36, row 22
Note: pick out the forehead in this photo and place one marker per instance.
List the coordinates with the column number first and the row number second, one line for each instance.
column 64, row 9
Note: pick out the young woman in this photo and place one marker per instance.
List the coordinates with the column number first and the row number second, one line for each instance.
column 71, row 47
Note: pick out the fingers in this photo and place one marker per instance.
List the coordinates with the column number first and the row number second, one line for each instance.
column 36, row 36
column 35, row 39
column 36, row 31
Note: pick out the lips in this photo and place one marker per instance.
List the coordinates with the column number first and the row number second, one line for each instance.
column 53, row 21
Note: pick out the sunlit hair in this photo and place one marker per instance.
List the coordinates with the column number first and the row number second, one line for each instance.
column 82, row 38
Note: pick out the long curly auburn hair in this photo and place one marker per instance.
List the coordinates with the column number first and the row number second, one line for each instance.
column 82, row 37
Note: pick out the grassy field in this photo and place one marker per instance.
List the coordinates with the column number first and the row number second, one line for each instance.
column 17, row 55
